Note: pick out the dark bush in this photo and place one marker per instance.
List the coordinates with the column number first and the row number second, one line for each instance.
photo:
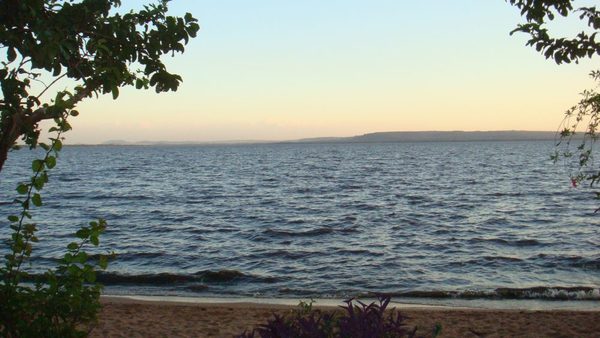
column 356, row 321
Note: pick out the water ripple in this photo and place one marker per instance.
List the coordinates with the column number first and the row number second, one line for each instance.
column 488, row 219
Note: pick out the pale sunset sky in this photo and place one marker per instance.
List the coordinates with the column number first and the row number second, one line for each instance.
column 280, row 70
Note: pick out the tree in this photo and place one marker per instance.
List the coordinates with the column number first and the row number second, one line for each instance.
column 562, row 50
column 99, row 51
column 583, row 118
column 85, row 41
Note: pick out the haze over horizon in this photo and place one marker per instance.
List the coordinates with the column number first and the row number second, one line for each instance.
column 385, row 136
column 268, row 70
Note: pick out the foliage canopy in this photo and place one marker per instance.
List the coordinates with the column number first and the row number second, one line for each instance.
column 582, row 119
column 88, row 42
column 561, row 49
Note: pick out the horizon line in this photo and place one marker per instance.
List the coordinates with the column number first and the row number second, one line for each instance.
column 308, row 139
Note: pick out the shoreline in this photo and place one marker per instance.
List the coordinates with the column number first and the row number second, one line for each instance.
column 284, row 303
column 396, row 302
column 155, row 316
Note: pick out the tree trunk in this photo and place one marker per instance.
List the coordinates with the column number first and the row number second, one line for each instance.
column 11, row 130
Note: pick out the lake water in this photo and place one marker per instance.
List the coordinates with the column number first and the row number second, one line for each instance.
column 325, row 220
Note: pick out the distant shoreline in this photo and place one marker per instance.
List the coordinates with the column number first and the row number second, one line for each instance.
column 377, row 137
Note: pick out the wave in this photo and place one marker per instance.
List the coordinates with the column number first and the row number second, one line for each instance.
column 538, row 292
column 487, row 261
column 167, row 278
column 556, row 293
column 306, row 233
column 505, row 194
column 66, row 178
column 557, row 261
column 137, row 197
column 500, row 241
column 282, row 254
column 152, row 279
column 360, row 252
column 135, row 256
column 318, row 231
column 203, row 281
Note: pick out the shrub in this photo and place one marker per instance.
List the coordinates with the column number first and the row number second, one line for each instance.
column 62, row 302
column 356, row 321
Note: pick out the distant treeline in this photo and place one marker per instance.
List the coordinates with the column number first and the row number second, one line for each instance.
column 390, row 136
column 443, row 136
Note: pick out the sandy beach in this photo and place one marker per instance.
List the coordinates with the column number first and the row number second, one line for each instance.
column 125, row 317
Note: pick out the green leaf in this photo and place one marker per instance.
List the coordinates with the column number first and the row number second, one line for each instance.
column 37, row 165
column 89, row 275
column 81, row 257
column 94, row 240
column 11, row 54
column 115, row 92
column 103, row 262
column 39, row 182
column 83, row 233
column 73, row 269
column 51, row 162
column 73, row 246
column 22, row 189
column 13, row 218
column 29, row 228
column 36, row 199
column 57, row 70
column 57, row 145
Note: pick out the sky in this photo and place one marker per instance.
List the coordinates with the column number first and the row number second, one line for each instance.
column 280, row 70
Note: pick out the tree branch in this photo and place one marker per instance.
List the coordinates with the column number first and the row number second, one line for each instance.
column 19, row 123
column 50, row 85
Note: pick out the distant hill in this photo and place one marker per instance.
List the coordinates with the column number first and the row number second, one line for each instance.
column 390, row 136
column 440, row 136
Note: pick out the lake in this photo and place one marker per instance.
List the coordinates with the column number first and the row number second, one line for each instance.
column 448, row 219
